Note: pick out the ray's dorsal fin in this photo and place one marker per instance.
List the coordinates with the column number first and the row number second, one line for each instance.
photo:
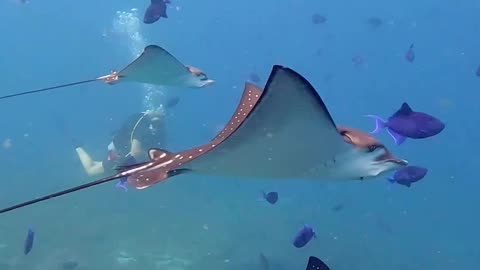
column 404, row 110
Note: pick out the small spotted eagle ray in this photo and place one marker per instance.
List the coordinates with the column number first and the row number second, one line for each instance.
column 154, row 66
column 282, row 132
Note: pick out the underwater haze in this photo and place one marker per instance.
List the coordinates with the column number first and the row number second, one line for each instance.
column 352, row 52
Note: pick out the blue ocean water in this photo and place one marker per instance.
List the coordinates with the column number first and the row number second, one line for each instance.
column 193, row 222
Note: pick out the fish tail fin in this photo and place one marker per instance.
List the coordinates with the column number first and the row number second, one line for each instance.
column 380, row 124
column 399, row 139
column 391, row 179
column 262, row 197
column 122, row 184
column 172, row 102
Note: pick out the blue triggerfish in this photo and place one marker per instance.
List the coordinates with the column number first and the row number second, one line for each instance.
column 315, row 263
column 271, row 197
column 28, row 245
column 410, row 54
column 304, row 236
column 129, row 160
column 408, row 175
column 406, row 123
column 156, row 10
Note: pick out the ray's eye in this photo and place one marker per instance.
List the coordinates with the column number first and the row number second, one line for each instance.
column 372, row 148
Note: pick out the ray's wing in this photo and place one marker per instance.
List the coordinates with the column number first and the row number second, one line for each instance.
column 283, row 132
column 288, row 134
column 155, row 66
column 168, row 164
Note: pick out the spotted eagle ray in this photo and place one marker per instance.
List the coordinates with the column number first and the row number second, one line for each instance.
column 154, row 66
column 282, row 132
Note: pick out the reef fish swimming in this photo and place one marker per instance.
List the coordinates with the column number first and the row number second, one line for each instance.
column 156, row 10
column 406, row 176
column 406, row 123
column 28, row 244
column 304, row 236
column 282, row 132
column 271, row 197
column 410, row 54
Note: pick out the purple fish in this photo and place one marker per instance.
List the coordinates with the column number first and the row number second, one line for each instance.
column 410, row 54
column 69, row 265
column 172, row 102
column 304, row 236
column 406, row 123
column 374, row 22
column 315, row 263
column 318, row 19
column 254, row 77
column 271, row 197
column 122, row 184
column 28, row 245
column 156, row 10
column 128, row 161
column 408, row 175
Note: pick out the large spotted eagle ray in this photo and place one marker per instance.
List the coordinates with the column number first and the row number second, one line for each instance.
column 282, row 132
column 154, row 66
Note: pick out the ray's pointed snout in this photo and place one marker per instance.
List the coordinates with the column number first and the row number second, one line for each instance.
column 399, row 162
column 208, row 82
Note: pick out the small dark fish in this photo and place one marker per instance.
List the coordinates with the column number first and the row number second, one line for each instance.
column 384, row 226
column 358, row 61
column 338, row 207
column 410, row 54
column 69, row 265
column 315, row 263
column 122, row 184
column 29, row 241
column 156, row 10
column 406, row 123
column 254, row 77
column 271, row 197
column 122, row 164
column 264, row 265
column 304, row 236
column 408, row 175
column 478, row 71
column 374, row 22
column 318, row 19
column 172, row 102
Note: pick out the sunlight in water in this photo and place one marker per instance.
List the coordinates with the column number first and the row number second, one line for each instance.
column 128, row 24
